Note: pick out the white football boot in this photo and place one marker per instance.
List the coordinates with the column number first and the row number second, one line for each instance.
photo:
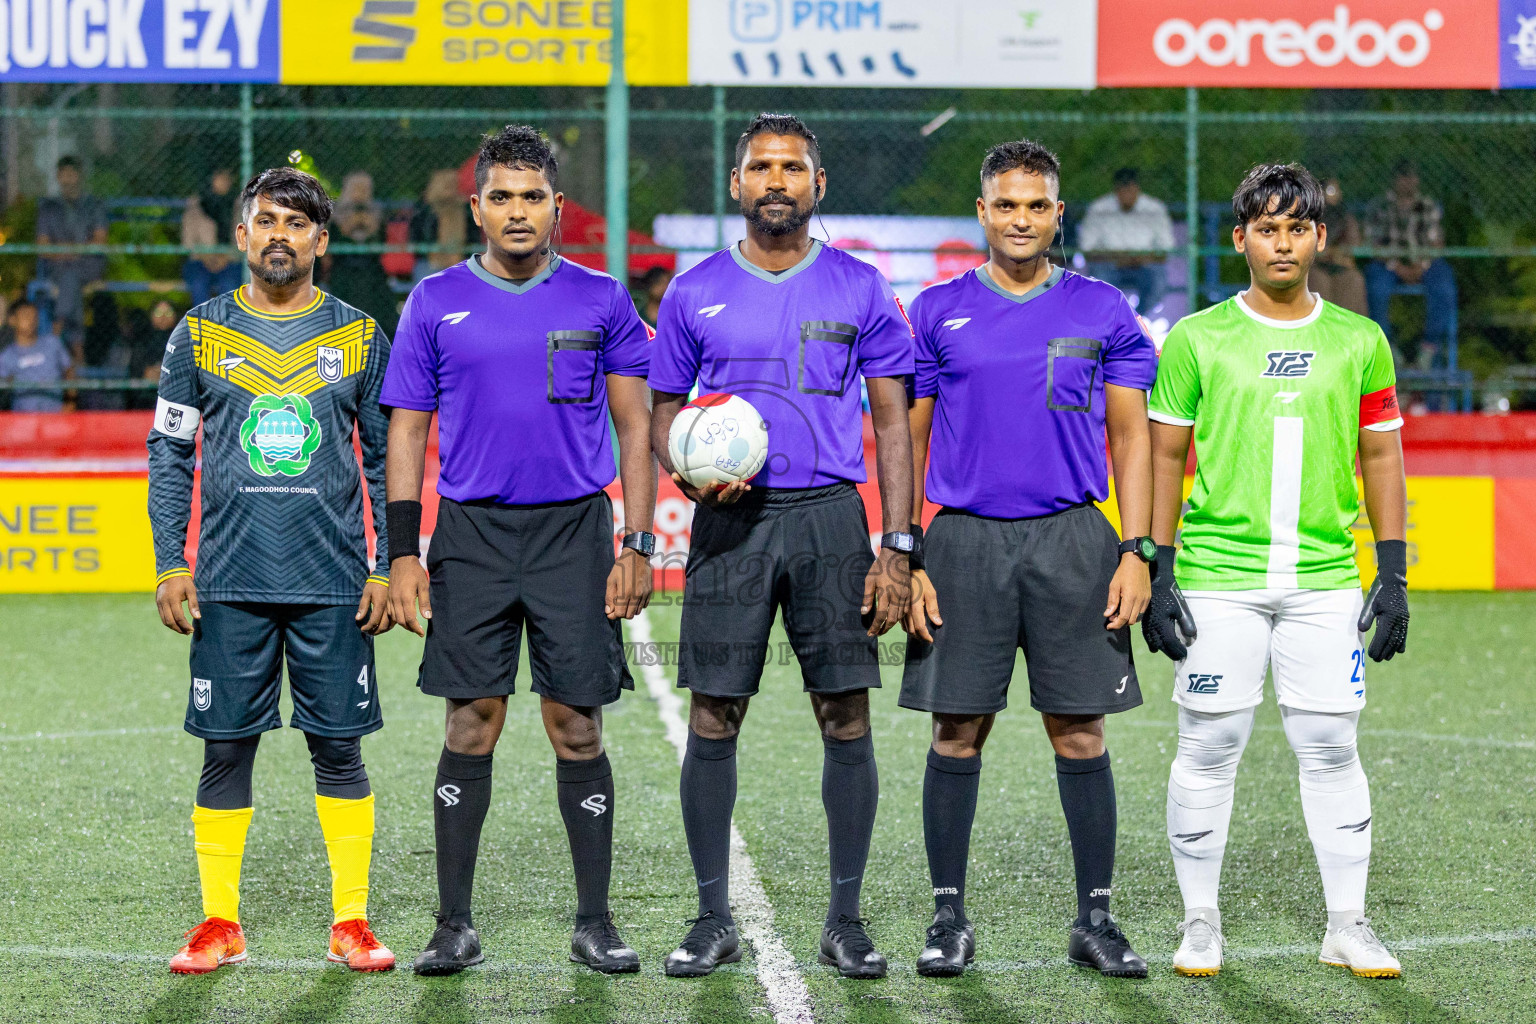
column 1356, row 946
column 1199, row 954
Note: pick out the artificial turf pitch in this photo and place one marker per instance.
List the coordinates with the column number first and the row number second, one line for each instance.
column 98, row 880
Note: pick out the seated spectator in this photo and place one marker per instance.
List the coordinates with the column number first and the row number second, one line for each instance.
column 1124, row 237
column 34, row 358
column 147, row 332
column 360, row 278
column 442, row 218
column 104, row 354
column 1404, row 218
column 73, row 217
column 1335, row 276
column 652, row 287
column 209, row 219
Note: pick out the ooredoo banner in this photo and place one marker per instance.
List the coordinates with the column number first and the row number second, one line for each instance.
column 1440, row 44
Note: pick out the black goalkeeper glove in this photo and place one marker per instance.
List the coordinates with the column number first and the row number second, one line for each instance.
column 1167, row 625
column 1387, row 602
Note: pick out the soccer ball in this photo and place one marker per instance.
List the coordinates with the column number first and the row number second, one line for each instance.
column 717, row 439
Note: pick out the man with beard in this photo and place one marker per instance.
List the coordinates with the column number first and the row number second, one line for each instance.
column 790, row 325
column 278, row 374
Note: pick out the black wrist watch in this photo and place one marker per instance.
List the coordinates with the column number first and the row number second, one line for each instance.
column 1144, row 548
column 898, row 541
column 640, row 541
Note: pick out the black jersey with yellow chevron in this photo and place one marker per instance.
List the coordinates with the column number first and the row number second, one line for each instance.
column 282, row 501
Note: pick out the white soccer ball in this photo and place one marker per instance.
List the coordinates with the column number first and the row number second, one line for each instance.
column 717, row 439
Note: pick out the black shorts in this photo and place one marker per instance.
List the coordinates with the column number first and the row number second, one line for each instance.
column 498, row 569
column 238, row 649
column 805, row 550
column 1037, row 584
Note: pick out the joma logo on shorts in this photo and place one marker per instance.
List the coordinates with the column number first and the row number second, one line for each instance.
column 1288, row 364
column 1203, row 682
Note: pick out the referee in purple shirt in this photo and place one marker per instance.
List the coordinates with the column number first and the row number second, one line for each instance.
column 523, row 356
column 1021, row 366
column 790, row 325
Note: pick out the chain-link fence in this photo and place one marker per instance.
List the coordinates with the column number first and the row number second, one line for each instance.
column 897, row 153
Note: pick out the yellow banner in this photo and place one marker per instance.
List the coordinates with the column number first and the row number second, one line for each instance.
column 75, row 534
column 1450, row 532
column 481, row 42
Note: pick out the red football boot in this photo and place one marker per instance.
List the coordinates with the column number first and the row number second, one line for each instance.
column 353, row 944
column 210, row 945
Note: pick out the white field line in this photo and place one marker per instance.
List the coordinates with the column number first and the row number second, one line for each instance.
column 24, row 737
column 1366, row 732
column 776, row 969
column 261, row 963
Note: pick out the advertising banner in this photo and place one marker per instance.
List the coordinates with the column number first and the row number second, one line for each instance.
column 482, row 42
column 1040, row 44
column 139, row 40
column 1381, row 44
column 1517, row 44
column 61, row 534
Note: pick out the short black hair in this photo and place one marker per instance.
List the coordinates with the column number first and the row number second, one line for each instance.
column 778, row 124
column 1278, row 189
column 290, row 188
column 1405, row 167
column 519, row 146
column 1126, row 176
column 21, row 304
column 1025, row 153
column 67, row 161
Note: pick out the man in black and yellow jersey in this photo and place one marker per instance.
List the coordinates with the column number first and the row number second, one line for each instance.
column 277, row 374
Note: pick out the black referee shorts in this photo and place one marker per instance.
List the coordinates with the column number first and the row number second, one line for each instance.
column 498, row 569
column 806, row 551
column 238, row 650
column 1038, row 584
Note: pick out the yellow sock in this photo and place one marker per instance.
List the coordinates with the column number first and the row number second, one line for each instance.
column 348, row 829
column 220, row 840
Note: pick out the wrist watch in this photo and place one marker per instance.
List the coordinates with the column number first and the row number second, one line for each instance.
column 641, row 541
column 898, row 541
column 1144, row 548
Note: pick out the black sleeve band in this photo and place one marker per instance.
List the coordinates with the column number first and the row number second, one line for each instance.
column 403, row 520
column 915, row 558
column 1162, row 566
column 1392, row 558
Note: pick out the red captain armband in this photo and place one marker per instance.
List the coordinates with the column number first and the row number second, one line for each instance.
column 1379, row 407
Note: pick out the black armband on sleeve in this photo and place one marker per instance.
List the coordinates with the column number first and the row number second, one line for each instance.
column 915, row 558
column 403, row 520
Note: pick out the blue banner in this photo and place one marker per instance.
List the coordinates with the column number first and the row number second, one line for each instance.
column 139, row 40
column 1517, row 44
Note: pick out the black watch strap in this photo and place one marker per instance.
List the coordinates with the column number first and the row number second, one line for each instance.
column 1144, row 548
column 641, row 541
column 898, row 540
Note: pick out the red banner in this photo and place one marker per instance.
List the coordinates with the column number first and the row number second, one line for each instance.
column 1436, row 44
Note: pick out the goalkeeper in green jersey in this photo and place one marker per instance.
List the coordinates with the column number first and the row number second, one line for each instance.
column 1280, row 391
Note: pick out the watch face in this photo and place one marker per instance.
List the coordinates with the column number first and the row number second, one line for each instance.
column 1148, row 549
column 898, row 542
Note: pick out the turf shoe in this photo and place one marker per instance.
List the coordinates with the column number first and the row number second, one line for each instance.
column 708, row 944
column 950, row 946
column 598, row 944
column 1199, row 954
column 1103, row 946
column 845, row 945
column 1356, row 946
column 353, row 944
column 210, row 945
column 452, row 948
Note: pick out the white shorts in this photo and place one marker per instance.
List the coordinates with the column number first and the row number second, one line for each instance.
column 1311, row 637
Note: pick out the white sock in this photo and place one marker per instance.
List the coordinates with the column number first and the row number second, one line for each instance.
column 1336, row 800
column 1201, row 785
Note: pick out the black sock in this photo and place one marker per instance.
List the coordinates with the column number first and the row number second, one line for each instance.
column 850, row 789
column 949, row 809
column 709, row 796
column 462, row 797
column 586, row 803
column 1087, row 789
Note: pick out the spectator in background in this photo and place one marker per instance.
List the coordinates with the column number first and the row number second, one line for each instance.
column 360, row 278
column 209, row 219
column 147, row 332
column 652, row 287
column 104, row 353
column 6, row 334
column 1404, row 218
column 34, row 358
column 73, row 217
column 1125, row 236
column 442, row 218
column 1335, row 276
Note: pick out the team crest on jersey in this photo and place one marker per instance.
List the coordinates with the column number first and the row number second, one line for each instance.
column 172, row 420
column 202, row 694
column 280, row 434
column 329, row 364
column 1288, row 364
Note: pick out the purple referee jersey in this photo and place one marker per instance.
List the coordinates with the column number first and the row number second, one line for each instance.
column 794, row 345
column 515, row 371
column 1018, row 383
